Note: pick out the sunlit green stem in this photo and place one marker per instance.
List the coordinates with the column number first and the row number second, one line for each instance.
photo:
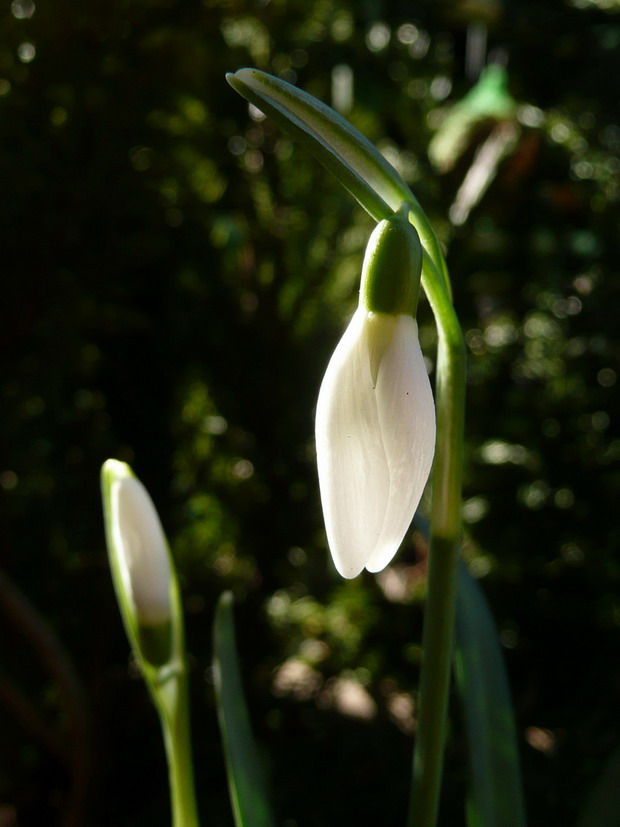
column 172, row 703
column 438, row 633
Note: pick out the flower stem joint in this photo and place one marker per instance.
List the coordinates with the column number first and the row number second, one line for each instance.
column 375, row 420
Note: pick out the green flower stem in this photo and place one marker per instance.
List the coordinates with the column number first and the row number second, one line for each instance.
column 171, row 699
column 437, row 263
column 437, row 641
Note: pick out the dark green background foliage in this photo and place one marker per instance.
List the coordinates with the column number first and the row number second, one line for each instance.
column 175, row 275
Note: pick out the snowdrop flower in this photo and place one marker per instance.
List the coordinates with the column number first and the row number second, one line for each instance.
column 139, row 559
column 375, row 419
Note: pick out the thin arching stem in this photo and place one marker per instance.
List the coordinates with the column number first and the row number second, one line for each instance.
column 437, row 642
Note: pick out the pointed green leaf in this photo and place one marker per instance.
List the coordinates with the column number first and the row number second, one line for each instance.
column 495, row 796
column 246, row 782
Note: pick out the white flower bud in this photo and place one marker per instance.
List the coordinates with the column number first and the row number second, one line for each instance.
column 375, row 439
column 140, row 546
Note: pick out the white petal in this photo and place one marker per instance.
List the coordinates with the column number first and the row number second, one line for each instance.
column 375, row 437
column 352, row 465
column 406, row 412
column 142, row 552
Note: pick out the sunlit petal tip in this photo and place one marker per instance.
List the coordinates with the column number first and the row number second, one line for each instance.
column 375, row 438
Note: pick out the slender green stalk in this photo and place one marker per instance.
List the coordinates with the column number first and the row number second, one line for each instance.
column 438, row 633
column 172, row 703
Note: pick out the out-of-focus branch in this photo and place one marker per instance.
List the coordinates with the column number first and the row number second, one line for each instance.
column 27, row 620
column 13, row 700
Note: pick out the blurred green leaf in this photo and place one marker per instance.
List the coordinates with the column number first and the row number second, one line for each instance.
column 603, row 807
column 488, row 100
column 495, row 795
column 246, row 781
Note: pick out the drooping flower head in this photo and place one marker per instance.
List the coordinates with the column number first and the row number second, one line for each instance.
column 375, row 419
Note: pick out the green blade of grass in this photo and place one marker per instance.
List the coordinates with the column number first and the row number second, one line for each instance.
column 246, row 782
column 495, row 795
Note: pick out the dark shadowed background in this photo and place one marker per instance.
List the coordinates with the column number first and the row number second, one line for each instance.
column 175, row 274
